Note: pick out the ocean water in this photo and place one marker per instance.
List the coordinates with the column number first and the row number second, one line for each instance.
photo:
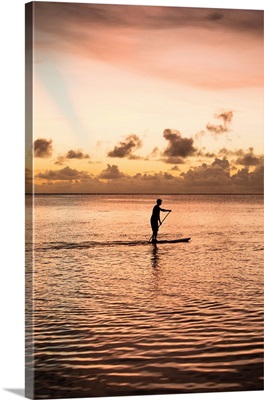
column 116, row 315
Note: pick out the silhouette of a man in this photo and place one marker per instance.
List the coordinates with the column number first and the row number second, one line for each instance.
column 155, row 219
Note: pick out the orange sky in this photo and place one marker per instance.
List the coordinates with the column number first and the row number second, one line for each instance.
column 147, row 99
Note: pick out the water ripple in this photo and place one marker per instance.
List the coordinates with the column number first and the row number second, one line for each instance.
column 124, row 317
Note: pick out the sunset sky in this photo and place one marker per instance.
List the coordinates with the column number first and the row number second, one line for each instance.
column 147, row 99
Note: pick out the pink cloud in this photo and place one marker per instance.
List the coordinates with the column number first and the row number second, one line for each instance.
column 199, row 47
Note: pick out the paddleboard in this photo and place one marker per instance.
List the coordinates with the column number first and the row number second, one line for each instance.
column 172, row 241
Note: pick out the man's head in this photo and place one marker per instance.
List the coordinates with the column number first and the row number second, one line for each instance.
column 159, row 201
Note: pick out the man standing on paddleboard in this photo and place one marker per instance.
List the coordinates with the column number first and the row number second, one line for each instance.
column 155, row 219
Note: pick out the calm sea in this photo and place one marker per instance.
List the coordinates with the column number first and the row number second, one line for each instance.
column 115, row 315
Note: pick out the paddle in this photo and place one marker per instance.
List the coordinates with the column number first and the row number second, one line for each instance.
column 160, row 224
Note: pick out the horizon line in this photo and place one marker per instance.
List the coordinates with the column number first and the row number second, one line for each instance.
column 145, row 194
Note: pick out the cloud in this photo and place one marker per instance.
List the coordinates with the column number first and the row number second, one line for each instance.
column 178, row 147
column 70, row 155
column 76, row 154
column 249, row 159
column 111, row 172
column 143, row 17
column 154, row 153
column 175, row 168
column 226, row 117
column 60, row 160
column 162, row 182
column 63, row 174
column 157, row 41
column 173, row 160
column 214, row 177
column 217, row 129
column 203, row 153
column 199, row 134
column 43, row 148
column 222, row 164
column 249, row 181
column 125, row 148
column 217, row 177
column 225, row 152
column 215, row 16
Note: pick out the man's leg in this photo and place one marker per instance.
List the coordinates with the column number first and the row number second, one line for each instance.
column 155, row 232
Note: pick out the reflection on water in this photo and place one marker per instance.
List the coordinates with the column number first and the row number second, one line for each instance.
column 116, row 315
column 155, row 256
